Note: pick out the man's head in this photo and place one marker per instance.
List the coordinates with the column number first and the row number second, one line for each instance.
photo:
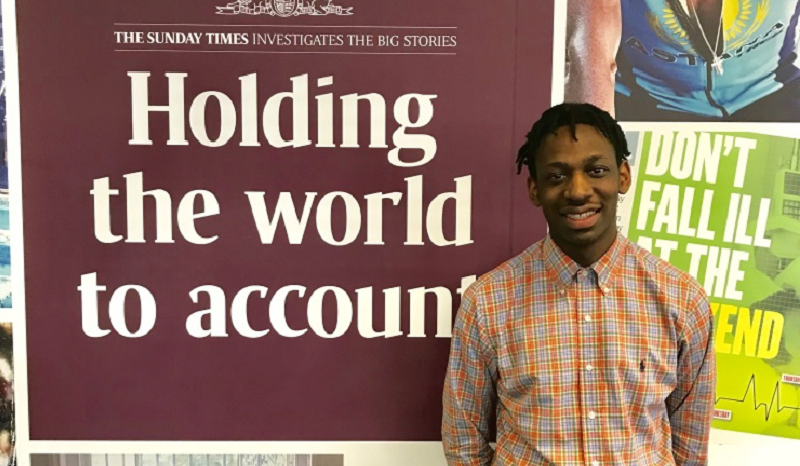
column 576, row 155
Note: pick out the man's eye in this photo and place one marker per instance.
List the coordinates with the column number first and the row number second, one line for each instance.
column 597, row 171
column 555, row 176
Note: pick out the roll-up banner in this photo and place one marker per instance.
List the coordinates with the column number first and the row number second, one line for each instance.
column 253, row 221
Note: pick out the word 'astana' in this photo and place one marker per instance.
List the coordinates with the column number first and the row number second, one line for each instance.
column 247, row 117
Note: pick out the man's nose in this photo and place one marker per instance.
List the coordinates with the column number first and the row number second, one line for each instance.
column 579, row 188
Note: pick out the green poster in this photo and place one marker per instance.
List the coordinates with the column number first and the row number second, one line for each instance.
column 726, row 208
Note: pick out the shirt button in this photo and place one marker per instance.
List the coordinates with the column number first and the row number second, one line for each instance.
column 589, row 367
column 562, row 291
column 587, row 318
column 592, row 415
column 606, row 289
column 595, row 463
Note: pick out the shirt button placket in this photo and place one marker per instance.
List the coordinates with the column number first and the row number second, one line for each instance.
column 586, row 306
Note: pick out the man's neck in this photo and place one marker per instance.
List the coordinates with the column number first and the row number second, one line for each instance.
column 588, row 254
column 708, row 13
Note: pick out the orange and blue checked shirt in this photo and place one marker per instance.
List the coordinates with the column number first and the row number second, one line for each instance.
column 611, row 364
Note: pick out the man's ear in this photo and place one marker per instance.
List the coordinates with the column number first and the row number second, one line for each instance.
column 533, row 193
column 624, row 177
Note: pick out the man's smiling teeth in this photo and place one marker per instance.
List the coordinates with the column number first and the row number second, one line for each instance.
column 582, row 216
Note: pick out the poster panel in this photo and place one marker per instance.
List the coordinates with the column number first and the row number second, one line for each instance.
column 7, row 407
column 264, row 211
column 5, row 228
column 725, row 207
column 115, row 459
column 679, row 60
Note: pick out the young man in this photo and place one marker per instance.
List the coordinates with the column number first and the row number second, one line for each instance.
column 696, row 60
column 587, row 349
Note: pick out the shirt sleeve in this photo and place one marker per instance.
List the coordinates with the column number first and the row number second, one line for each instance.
column 469, row 389
column 691, row 404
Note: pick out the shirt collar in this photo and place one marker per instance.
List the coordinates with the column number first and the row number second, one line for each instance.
column 563, row 269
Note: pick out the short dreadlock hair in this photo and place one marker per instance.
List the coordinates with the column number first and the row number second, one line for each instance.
column 571, row 115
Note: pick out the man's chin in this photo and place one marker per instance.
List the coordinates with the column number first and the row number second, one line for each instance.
column 578, row 237
column 589, row 236
column 583, row 237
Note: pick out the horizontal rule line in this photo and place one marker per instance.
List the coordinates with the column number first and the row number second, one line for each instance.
column 281, row 26
column 268, row 51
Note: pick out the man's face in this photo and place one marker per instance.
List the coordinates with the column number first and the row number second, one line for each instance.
column 576, row 185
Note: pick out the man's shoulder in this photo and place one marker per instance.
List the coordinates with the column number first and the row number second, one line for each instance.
column 516, row 271
column 660, row 271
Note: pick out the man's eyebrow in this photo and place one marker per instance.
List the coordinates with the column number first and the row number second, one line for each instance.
column 563, row 165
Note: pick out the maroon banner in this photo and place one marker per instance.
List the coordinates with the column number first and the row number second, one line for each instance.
column 253, row 220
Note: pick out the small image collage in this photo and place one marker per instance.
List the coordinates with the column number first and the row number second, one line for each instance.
column 7, row 411
column 5, row 235
column 184, row 460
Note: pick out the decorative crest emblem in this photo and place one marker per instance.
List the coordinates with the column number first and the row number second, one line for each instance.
column 283, row 8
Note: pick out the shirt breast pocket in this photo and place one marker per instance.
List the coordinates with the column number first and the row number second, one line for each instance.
column 649, row 377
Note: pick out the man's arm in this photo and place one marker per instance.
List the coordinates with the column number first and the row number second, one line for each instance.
column 469, row 389
column 691, row 405
column 594, row 31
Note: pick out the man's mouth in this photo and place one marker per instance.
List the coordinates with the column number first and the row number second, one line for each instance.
column 582, row 220
column 583, row 215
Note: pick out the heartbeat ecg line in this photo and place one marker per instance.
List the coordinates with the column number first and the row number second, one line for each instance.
column 776, row 399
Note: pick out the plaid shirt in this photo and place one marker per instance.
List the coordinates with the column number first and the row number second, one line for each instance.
column 612, row 364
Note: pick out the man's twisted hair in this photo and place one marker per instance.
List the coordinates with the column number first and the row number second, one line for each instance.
column 571, row 115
